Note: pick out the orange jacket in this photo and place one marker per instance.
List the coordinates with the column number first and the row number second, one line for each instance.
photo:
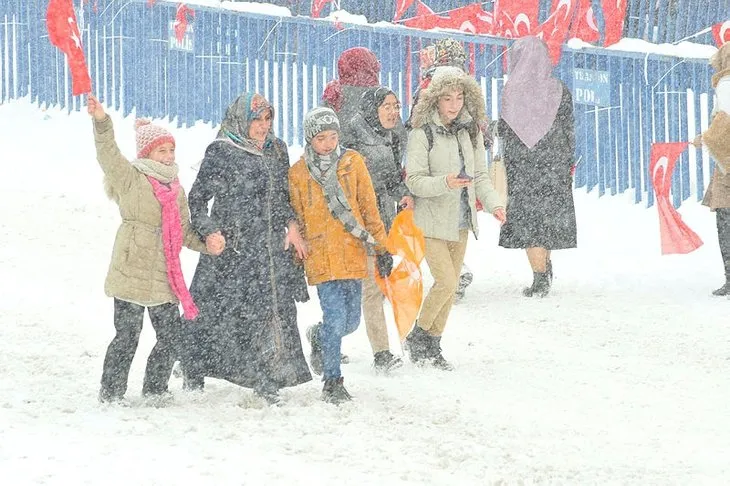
column 334, row 253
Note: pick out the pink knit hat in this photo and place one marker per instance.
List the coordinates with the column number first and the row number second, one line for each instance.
column 150, row 136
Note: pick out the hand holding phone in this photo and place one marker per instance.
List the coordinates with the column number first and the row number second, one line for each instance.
column 464, row 175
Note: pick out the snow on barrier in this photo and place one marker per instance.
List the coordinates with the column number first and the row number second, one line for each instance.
column 624, row 100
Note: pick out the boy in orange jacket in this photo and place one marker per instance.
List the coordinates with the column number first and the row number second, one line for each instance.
column 333, row 197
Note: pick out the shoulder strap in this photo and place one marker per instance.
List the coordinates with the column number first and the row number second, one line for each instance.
column 428, row 130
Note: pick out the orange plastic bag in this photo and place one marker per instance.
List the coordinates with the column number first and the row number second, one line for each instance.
column 404, row 287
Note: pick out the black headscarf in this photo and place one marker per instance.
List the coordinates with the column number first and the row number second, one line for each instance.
column 370, row 101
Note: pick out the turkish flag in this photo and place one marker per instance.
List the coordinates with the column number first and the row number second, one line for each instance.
column 404, row 286
column 676, row 236
column 471, row 18
column 181, row 20
column 515, row 18
column 400, row 8
column 425, row 18
column 721, row 33
column 585, row 27
column 554, row 31
column 317, row 6
column 63, row 32
column 614, row 14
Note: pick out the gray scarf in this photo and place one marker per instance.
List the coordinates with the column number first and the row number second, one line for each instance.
column 323, row 170
column 157, row 170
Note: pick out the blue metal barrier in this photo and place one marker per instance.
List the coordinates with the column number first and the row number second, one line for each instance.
column 136, row 66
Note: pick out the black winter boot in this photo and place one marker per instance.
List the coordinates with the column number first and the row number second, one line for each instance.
column 417, row 344
column 315, row 358
column 334, row 391
column 385, row 362
column 540, row 285
column 437, row 358
column 724, row 290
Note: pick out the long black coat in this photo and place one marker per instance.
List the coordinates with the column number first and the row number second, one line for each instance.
column 247, row 331
column 380, row 151
column 540, row 209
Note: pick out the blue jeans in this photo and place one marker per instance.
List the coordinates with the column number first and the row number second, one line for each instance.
column 340, row 302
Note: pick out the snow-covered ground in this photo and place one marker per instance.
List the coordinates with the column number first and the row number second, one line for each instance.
column 619, row 376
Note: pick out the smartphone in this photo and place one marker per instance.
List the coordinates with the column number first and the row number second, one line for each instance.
column 464, row 175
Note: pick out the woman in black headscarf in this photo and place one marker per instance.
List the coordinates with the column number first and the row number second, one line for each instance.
column 373, row 132
column 247, row 329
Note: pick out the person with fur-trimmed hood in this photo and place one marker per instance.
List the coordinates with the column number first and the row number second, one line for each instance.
column 446, row 175
column 444, row 54
column 717, row 141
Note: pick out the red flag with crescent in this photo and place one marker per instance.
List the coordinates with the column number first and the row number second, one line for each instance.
column 676, row 236
column 63, row 32
column 404, row 286
column 721, row 33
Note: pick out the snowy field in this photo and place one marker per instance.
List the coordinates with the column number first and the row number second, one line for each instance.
column 620, row 376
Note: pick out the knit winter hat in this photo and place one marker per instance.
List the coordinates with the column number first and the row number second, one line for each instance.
column 149, row 137
column 318, row 120
column 449, row 52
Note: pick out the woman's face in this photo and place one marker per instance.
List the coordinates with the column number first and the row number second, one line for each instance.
column 450, row 105
column 164, row 154
column 260, row 127
column 388, row 112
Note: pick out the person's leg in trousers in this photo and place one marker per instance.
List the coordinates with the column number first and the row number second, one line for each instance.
column 445, row 282
column 372, row 309
column 353, row 298
column 723, row 236
column 334, row 315
column 120, row 353
column 166, row 322
column 457, row 250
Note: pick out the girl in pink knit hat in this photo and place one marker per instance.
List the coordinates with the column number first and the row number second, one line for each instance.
column 145, row 268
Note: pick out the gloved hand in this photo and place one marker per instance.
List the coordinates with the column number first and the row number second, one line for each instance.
column 385, row 264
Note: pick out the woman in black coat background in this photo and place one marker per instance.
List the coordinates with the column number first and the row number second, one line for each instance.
column 538, row 136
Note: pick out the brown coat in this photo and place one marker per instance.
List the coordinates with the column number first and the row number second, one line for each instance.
column 717, row 136
column 137, row 272
column 334, row 253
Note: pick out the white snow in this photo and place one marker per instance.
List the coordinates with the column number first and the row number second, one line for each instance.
column 620, row 376
column 347, row 17
column 681, row 49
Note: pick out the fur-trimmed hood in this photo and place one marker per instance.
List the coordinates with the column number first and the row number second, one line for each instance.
column 447, row 79
column 720, row 61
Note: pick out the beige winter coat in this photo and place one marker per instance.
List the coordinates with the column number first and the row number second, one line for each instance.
column 437, row 208
column 137, row 272
column 717, row 136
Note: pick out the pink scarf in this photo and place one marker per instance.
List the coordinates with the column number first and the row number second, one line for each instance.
column 172, row 240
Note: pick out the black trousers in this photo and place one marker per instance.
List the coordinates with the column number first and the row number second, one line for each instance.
column 128, row 319
column 723, row 235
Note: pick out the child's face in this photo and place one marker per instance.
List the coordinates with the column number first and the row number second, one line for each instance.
column 324, row 143
column 450, row 105
column 164, row 154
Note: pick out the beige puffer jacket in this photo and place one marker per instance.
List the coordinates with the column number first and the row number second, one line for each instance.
column 138, row 272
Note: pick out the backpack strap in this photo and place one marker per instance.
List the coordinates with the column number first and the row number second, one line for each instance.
column 428, row 130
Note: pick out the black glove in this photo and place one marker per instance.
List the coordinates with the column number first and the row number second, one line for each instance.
column 385, row 264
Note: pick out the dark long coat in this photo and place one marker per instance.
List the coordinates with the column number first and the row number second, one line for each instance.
column 247, row 329
column 540, row 209
column 383, row 152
